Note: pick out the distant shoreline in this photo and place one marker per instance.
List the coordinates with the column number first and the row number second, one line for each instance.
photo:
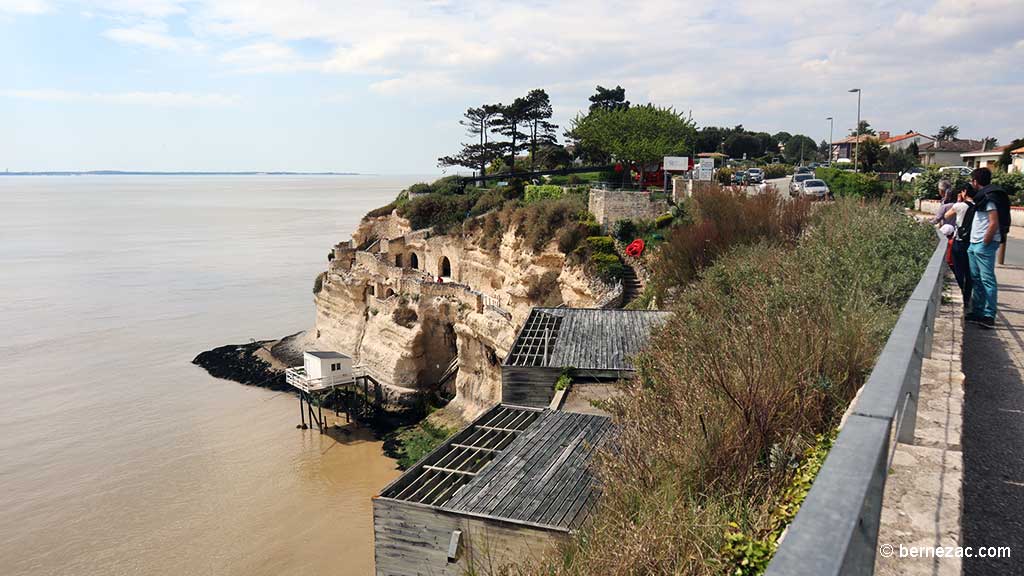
column 131, row 173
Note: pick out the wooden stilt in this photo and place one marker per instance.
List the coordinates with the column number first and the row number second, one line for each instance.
column 320, row 411
column 302, row 411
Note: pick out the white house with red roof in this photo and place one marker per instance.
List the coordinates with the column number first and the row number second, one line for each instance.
column 903, row 141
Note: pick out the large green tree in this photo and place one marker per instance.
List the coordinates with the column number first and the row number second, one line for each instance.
column 476, row 155
column 538, row 113
column 800, row 148
column 510, row 123
column 638, row 135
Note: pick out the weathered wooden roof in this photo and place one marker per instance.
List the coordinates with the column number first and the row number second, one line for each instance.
column 512, row 464
column 543, row 477
column 583, row 338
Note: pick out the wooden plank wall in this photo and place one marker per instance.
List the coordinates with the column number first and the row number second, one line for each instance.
column 412, row 540
column 528, row 385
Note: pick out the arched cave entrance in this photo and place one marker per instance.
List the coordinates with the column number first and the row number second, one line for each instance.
column 437, row 345
column 414, row 262
column 444, row 269
column 389, row 293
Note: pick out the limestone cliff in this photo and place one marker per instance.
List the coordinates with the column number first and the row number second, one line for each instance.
column 380, row 302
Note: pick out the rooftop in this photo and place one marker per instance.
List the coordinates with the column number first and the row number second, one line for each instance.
column 583, row 338
column 326, row 355
column 512, row 464
column 951, row 146
column 992, row 152
column 901, row 137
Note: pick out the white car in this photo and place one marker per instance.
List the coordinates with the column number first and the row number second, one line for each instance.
column 912, row 174
column 794, row 183
column 964, row 170
column 815, row 189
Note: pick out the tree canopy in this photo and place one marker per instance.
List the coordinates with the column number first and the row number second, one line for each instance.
column 638, row 135
column 609, row 99
column 800, row 147
column 947, row 133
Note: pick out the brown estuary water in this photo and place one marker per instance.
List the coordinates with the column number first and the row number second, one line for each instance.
column 117, row 456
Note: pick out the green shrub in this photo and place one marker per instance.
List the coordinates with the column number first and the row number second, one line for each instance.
column 608, row 267
column 535, row 192
column 444, row 212
column 926, row 185
column 414, row 442
column 1013, row 183
column 725, row 175
column 538, row 222
column 624, row 230
column 847, row 184
column 663, row 221
column 601, row 245
column 557, row 179
column 420, row 188
column 488, row 201
column 447, row 185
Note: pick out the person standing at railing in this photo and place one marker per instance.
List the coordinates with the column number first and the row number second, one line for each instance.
column 958, row 252
column 986, row 236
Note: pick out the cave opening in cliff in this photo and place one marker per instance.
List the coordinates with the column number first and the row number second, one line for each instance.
column 440, row 353
column 444, row 270
column 398, row 260
column 414, row 261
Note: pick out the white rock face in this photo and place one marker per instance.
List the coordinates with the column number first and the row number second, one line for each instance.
column 470, row 318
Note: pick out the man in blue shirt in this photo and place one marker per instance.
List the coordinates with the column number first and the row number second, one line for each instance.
column 985, row 239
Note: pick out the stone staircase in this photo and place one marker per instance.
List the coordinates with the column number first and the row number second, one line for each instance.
column 631, row 285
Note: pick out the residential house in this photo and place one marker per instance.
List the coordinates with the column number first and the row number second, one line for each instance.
column 983, row 158
column 903, row 141
column 946, row 152
column 843, row 149
column 1016, row 160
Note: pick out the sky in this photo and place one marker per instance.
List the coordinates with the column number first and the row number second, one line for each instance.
column 379, row 87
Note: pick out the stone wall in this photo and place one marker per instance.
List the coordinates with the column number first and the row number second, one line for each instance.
column 610, row 206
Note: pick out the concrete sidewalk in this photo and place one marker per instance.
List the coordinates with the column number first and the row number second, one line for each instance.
column 993, row 436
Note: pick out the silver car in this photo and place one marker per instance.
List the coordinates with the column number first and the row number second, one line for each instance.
column 815, row 189
column 796, row 181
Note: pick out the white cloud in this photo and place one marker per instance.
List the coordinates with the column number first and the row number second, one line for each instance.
column 24, row 6
column 152, row 34
column 156, row 99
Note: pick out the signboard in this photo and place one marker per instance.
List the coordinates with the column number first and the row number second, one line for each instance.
column 677, row 163
column 707, row 168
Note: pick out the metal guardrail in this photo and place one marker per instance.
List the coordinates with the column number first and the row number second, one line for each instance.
column 835, row 533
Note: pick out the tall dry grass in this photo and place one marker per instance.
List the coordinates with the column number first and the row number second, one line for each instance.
column 763, row 352
column 724, row 218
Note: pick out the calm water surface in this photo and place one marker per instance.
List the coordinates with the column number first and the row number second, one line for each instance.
column 117, row 456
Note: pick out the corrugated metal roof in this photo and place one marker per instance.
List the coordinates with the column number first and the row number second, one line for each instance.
column 583, row 338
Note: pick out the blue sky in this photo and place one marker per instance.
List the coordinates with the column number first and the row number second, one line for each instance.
column 380, row 86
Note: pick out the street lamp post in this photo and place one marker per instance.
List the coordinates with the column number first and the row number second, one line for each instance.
column 856, row 134
column 829, row 141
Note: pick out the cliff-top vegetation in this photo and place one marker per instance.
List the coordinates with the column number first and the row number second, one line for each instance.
column 722, row 429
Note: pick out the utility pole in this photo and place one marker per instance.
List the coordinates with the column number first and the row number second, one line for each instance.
column 829, row 141
column 856, row 134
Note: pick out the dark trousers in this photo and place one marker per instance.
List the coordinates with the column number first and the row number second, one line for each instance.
column 962, row 270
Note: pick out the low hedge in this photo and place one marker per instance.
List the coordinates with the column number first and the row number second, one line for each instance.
column 535, row 192
column 847, row 184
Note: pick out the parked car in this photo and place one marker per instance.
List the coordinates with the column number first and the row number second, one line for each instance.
column 755, row 175
column 912, row 174
column 964, row 170
column 815, row 189
column 794, row 184
column 804, row 170
column 739, row 177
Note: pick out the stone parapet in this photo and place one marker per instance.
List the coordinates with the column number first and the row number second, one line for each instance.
column 610, row 206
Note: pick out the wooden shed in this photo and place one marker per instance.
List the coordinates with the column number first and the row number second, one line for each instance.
column 594, row 343
column 504, row 490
